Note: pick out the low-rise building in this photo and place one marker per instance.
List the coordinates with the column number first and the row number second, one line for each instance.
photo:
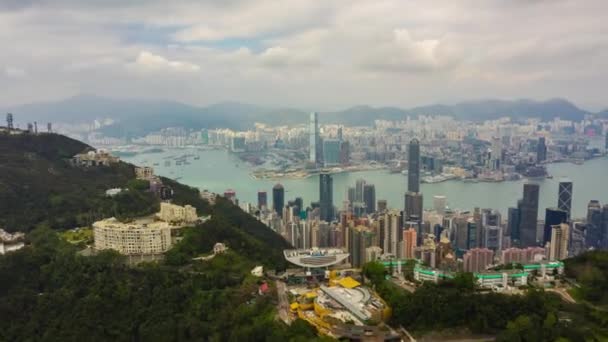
column 11, row 242
column 94, row 158
column 175, row 213
column 144, row 172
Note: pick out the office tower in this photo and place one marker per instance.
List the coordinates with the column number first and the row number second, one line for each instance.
column 577, row 239
column 541, row 150
column 553, row 216
column 513, row 223
column 262, row 200
column 492, row 237
column 604, row 228
column 360, row 183
column 314, row 144
column 409, row 243
column 339, row 135
column 529, row 215
column 564, row 197
column 472, row 233
column 345, row 153
column 299, row 204
column 382, row 205
column 439, row 204
column 594, row 224
column 369, row 198
column 413, row 176
column 478, row 259
column 326, row 202
column 278, row 199
column 558, row 249
column 461, row 236
column 413, row 206
column 331, row 152
column 351, row 195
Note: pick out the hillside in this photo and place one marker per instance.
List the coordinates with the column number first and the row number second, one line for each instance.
column 137, row 117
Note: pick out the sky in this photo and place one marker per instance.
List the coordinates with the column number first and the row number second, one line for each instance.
column 304, row 53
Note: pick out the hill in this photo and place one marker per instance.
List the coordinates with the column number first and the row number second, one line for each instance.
column 134, row 118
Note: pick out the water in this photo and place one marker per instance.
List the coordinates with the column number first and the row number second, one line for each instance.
column 218, row 170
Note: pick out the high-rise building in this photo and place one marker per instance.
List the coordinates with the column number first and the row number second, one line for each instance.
column 331, row 152
column 522, row 255
column 360, row 239
column 472, row 233
column 278, row 199
column 593, row 228
column 541, row 150
column 529, row 215
column 314, row 144
column 382, row 205
column 326, row 202
column 604, row 228
column 577, row 239
column 553, row 216
column 369, row 198
column 564, row 198
column 409, row 243
column 360, row 183
column 413, row 176
column 558, row 249
column 478, row 259
column 390, row 243
column 439, row 204
column 492, row 237
column 262, row 200
column 513, row 223
column 351, row 195
column 413, row 206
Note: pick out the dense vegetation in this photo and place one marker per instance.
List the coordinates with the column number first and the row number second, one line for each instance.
column 591, row 273
column 534, row 316
column 51, row 293
column 39, row 187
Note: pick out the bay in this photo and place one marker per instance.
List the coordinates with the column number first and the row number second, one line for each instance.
column 219, row 170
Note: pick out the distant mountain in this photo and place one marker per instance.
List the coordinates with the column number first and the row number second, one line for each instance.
column 139, row 117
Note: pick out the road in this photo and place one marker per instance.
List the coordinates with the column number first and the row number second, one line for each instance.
column 401, row 283
column 283, row 305
column 564, row 294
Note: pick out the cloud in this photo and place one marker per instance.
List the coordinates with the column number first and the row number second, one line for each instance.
column 149, row 61
column 14, row 73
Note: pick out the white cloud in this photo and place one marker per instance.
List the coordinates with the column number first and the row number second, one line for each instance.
column 15, row 73
column 149, row 61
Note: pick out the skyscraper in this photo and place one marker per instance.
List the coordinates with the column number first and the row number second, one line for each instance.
column 541, row 150
column 409, row 243
column 558, row 249
column 262, row 199
column 413, row 206
column 369, row 197
column 477, row 259
column 513, row 223
column 553, row 216
column 278, row 199
column 331, row 152
column 326, row 202
column 314, row 139
column 413, row 176
column 564, row 197
column 529, row 215
column 439, row 204
column 604, row 228
column 594, row 224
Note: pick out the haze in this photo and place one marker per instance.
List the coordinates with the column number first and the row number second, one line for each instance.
column 311, row 54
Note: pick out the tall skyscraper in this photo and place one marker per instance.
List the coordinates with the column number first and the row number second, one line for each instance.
column 558, row 249
column 553, row 216
column 278, row 199
column 360, row 183
column 513, row 223
column 390, row 235
column 593, row 234
column 604, row 228
column 331, row 152
column 541, row 150
column 409, row 243
column 262, row 199
column 564, row 197
column 413, row 176
column 314, row 144
column 369, row 197
column 529, row 215
column 413, row 206
column 326, row 202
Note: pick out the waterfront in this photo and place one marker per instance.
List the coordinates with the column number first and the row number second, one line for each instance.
column 218, row 170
